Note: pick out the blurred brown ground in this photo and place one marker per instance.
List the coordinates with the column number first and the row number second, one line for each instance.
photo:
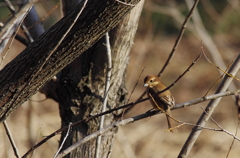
column 145, row 138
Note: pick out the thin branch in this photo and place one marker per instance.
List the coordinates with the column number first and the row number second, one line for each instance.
column 62, row 38
column 135, row 84
column 18, row 26
column 65, row 138
column 237, row 96
column 209, row 109
column 206, row 98
column 25, row 30
column 236, row 132
column 7, row 30
column 94, row 135
column 208, row 128
column 218, row 79
column 181, row 105
column 124, row 122
column 50, row 54
column 125, row 111
column 45, row 16
column 184, row 25
column 163, row 111
column 230, row 75
column 107, row 86
column 17, row 3
column 132, row 5
column 11, row 139
column 193, row 63
column 220, row 127
column 15, row 18
column 202, row 33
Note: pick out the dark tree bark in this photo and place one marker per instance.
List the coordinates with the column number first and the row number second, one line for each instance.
column 79, row 88
column 37, row 64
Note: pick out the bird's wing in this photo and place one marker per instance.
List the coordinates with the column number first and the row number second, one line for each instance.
column 162, row 101
column 168, row 99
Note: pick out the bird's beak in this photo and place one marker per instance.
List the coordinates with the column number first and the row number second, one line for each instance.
column 145, row 85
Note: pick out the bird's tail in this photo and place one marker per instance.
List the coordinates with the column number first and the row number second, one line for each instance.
column 171, row 122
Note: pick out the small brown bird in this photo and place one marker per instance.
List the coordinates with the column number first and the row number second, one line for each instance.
column 164, row 101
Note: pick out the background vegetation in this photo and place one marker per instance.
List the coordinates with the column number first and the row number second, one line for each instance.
column 159, row 26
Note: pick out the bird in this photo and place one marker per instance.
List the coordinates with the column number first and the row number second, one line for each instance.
column 162, row 101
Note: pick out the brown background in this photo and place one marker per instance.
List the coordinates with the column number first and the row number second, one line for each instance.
column 153, row 42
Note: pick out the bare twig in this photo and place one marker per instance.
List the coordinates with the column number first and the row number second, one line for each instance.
column 15, row 18
column 50, row 54
column 94, row 135
column 124, row 122
column 8, row 29
column 19, row 25
column 163, row 111
column 125, row 111
column 11, row 139
column 220, row 127
column 209, row 109
column 173, row 12
column 208, row 41
column 25, row 30
column 181, row 105
column 193, row 63
column 65, row 138
column 135, row 84
column 184, row 25
column 206, row 98
column 237, row 96
column 236, row 132
column 132, row 5
column 209, row 128
column 107, row 86
column 230, row 75
column 218, row 79
column 62, row 38
column 45, row 16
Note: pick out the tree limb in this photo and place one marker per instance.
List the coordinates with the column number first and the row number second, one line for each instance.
column 209, row 109
column 97, row 18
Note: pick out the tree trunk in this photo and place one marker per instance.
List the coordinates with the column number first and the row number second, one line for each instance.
column 39, row 62
column 79, row 88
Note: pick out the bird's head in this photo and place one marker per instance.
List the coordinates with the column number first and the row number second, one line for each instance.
column 151, row 81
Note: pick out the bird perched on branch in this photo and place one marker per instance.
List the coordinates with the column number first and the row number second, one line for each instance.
column 162, row 101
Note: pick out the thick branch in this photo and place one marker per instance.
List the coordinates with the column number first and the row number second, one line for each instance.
column 141, row 116
column 18, row 81
column 209, row 110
